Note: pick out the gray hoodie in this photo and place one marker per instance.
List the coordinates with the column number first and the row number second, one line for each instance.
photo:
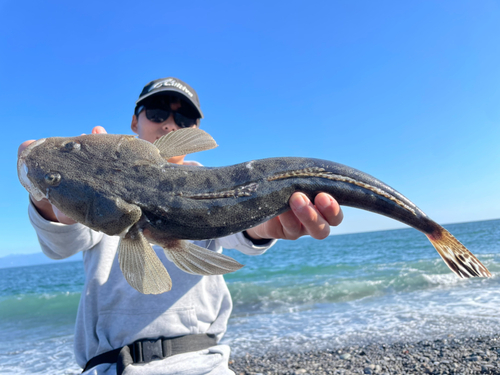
column 112, row 314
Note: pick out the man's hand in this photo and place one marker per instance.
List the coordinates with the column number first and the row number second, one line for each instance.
column 304, row 218
column 44, row 207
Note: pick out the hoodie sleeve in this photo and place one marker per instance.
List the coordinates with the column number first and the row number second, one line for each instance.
column 239, row 242
column 59, row 241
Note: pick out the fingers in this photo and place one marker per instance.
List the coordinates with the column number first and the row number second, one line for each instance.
column 315, row 219
column 291, row 226
column 269, row 229
column 99, row 130
column 329, row 209
column 23, row 146
column 62, row 218
column 304, row 218
column 311, row 219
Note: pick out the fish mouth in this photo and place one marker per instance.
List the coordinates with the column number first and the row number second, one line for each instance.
column 22, row 171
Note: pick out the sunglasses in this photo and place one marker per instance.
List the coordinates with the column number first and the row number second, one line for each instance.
column 159, row 115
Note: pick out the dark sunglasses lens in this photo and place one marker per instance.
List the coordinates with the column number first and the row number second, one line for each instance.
column 183, row 121
column 157, row 115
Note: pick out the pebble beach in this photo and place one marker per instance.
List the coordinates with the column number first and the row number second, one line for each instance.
column 473, row 355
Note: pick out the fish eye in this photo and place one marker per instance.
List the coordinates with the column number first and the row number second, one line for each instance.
column 53, row 178
column 71, row 146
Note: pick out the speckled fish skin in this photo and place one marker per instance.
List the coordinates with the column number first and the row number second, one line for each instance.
column 119, row 184
column 204, row 203
column 188, row 202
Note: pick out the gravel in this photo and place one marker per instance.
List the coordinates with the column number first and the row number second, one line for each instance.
column 473, row 355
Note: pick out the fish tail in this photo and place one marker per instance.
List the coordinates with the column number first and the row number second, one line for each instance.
column 460, row 260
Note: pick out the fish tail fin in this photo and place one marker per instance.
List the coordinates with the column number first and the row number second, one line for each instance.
column 199, row 261
column 141, row 267
column 460, row 260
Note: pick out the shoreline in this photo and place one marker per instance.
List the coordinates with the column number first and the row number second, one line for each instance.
column 467, row 355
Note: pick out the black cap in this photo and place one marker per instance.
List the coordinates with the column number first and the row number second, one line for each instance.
column 173, row 86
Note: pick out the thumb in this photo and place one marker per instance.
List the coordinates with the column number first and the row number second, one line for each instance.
column 62, row 218
column 99, row 130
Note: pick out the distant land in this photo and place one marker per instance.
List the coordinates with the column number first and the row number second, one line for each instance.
column 21, row 260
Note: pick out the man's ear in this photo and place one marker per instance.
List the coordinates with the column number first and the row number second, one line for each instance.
column 133, row 125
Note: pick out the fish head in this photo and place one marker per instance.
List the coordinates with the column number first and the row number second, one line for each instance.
column 75, row 173
column 53, row 168
column 22, row 171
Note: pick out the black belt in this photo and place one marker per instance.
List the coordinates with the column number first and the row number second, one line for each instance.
column 144, row 351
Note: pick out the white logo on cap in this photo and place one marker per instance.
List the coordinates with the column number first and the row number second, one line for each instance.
column 172, row 83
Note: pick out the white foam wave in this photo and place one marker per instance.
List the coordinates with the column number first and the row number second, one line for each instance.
column 442, row 279
column 454, row 310
column 45, row 357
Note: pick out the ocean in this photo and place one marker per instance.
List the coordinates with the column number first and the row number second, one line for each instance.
column 351, row 289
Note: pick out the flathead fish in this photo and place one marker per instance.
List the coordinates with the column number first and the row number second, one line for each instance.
column 121, row 185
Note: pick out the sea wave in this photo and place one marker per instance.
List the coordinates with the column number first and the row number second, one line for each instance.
column 447, row 310
column 302, row 287
column 32, row 317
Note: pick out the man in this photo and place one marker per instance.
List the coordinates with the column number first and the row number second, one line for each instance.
column 120, row 330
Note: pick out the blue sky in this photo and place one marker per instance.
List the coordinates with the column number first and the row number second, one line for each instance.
column 408, row 92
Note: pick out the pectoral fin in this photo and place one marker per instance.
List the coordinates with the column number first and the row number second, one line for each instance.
column 184, row 141
column 140, row 265
column 110, row 215
column 199, row 261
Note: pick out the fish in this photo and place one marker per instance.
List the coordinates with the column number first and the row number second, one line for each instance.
column 124, row 186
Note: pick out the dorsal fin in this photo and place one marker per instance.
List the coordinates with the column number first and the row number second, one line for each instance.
column 184, row 141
